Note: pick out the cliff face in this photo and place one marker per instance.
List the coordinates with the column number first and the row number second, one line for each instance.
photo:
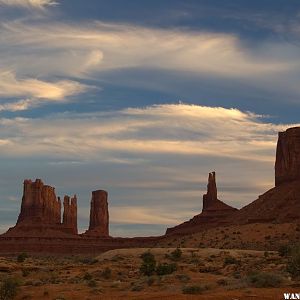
column 39, row 204
column 99, row 217
column 287, row 166
column 281, row 204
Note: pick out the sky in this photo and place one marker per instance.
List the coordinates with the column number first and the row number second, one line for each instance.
column 143, row 99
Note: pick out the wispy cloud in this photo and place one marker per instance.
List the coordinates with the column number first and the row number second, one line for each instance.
column 36, row 91
column 169, row 148
column 102, row 46
column 10, row 86
column 87, row 50
column 37, row 4
column 170, row 129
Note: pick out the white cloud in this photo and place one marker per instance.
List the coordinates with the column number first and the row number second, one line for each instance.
column 73, row 49
column 64, row 50
column 159, row 129
column 168, row 150
column 38, row 4
column 10, row 86
column 18, row 105
column 36, row 91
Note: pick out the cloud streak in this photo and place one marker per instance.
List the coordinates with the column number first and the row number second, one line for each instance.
column 10, row 86
column 159, row 129
column 36, row 4
column 94, row 49
column 169, row 148
column 102, row 46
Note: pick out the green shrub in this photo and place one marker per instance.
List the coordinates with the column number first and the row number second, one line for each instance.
column 9, row 289
column 165, row 269
column 92, row 283
column 264, row 280
column 194, row 289
column 183, row 278
column 149, row 263
column 293, row 265
column 229, row 260
column 22, row 257
column 87, row 276
column 176, row 254
column 222, row 282
column 25, row 272
column 284, row 250
column 137, row 288
column 88, row 260
column 150, row 281
column 106, row 273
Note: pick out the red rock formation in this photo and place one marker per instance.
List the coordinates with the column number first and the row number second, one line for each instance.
column 41, row 212
column 214, row 211
column 39, row 204
column 99, row 217
column 70, row 214
column 211, row 197
column 281, row 204
column 211, row 203
column 287, row 166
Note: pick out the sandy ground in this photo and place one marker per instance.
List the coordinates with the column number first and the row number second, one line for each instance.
column 223, row 273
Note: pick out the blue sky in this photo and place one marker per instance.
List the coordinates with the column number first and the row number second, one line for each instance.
column 144, row 98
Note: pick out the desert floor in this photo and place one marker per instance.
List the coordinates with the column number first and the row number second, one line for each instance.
column 207, row 272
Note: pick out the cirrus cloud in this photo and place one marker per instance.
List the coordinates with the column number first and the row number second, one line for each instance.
column 37, row 4
column 169, row 148
column 10, row 86
column 105, row 46
column 162, row 129
column 34, row 90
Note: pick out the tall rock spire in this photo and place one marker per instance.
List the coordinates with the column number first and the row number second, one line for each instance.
column 211, row 197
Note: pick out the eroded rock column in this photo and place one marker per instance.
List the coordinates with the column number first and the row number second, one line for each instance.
column 99, row 216
column 211, row 197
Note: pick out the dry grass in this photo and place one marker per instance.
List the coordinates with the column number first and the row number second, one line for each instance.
column 115, row 275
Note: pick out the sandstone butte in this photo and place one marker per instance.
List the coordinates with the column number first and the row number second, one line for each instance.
column 41, row 228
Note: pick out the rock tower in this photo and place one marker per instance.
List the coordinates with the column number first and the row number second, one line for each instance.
column 287, row 166
column 99, row 217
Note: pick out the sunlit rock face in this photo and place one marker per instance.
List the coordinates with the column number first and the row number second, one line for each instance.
column 287, row 166
column 99, row 217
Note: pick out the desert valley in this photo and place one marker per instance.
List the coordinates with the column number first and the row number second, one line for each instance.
column 221, row 253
